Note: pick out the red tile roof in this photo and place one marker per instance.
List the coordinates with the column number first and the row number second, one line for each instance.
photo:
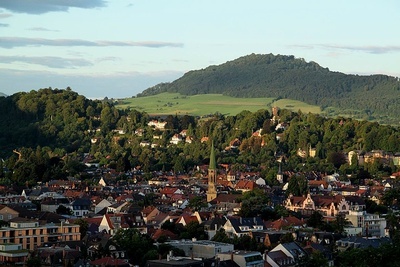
column 162, row 232
column 284, row 222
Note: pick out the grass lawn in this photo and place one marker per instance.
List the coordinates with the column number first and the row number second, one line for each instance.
column 198, row 105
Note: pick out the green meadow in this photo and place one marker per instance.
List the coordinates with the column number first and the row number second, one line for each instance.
column 198, row 105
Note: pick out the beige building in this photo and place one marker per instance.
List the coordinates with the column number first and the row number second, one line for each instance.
column 7, row 213
column 329, row 206
column 371, row 224
column 31, row 234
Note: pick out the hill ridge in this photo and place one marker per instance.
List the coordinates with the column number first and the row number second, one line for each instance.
column 280, row 76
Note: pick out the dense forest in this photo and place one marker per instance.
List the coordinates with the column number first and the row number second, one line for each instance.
column 374, row 97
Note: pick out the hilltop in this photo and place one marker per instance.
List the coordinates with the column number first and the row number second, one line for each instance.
column 374, row 97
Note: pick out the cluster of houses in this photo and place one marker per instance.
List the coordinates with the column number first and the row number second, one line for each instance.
column 45, row 221
column 34, row 221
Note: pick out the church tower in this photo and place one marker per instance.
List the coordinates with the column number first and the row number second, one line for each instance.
column 212, row 176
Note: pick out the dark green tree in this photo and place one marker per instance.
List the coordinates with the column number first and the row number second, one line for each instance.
column 298, row 185
column 197, row 203
column 134, row 243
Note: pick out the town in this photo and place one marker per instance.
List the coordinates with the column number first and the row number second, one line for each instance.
column 275, row 188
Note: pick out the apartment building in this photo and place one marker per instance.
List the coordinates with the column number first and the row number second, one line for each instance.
column 371, row 224
column 31, row 234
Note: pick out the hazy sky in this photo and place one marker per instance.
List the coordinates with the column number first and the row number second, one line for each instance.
column 119, row 48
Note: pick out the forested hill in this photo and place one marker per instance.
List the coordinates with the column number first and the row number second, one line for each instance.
column 289, row 77
column 53, row 118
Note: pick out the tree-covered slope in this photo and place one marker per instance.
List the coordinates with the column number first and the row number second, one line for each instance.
column 54, row 118
column 289, row 77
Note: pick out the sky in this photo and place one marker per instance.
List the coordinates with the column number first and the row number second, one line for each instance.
column 118, row 48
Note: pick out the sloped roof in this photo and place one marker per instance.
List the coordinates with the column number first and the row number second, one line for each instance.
column 284, row 222
column 187, row 218
column 237, row 221
column 324, row 201
column 124, row 220
column 231, row 198
column 163, row 232
column 246, row 184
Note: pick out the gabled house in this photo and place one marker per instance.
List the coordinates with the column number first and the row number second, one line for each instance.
column 163, row 233
column 117, row 207
column 176, row 139
column 189, row 139
column 157, row 124
column 245, row 185
column 7, row 213
column 101, row 205
column 238, row 226
column 284, row 223
column 286, row 254
column 204, row 139
column 149, row 212
column 235, row 143
column 158, row 220
column 185, row 219
column 168, row 192
column 80, row 207
column 111, row 223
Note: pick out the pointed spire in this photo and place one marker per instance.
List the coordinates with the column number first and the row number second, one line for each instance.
column 213, row 164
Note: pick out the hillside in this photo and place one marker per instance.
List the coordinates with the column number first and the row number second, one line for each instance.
column 374, row 97
column 53, row 118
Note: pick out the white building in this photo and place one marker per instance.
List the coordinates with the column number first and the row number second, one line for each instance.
column 243, row 258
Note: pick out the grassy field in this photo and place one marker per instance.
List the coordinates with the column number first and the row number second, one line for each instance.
column 198, row 105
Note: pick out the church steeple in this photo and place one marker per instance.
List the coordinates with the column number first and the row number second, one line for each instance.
column 212, row 176
column 213, row 164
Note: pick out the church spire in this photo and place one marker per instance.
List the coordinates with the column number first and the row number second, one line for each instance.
column 213, row 164
column 212, row 176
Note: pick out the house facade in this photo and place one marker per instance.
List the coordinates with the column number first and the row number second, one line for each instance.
column 329, row 206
